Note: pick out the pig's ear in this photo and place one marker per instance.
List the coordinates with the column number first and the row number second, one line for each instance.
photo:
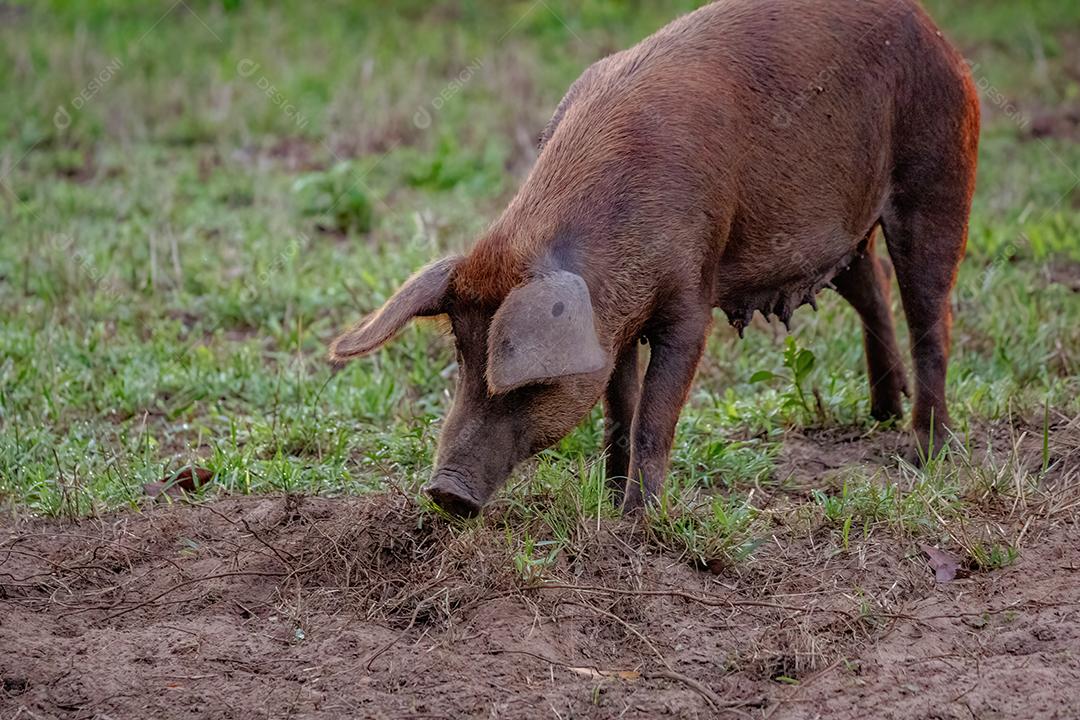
column 543, row 330
column 423, row 294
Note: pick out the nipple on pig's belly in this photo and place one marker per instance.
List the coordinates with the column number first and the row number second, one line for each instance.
column 739, row 302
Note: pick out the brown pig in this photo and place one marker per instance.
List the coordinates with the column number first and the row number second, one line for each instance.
column 741, row 158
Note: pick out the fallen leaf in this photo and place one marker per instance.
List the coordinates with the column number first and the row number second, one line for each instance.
column 185, row 480
column 594, row 673
column 717, row 566
column 944, row 564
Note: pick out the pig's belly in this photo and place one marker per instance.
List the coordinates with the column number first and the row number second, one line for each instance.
column 775, row 281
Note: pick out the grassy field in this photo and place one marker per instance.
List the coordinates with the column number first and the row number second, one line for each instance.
column 196, row 197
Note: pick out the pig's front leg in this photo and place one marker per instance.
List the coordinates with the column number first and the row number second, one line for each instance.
column 675, row 349
column 620, row 404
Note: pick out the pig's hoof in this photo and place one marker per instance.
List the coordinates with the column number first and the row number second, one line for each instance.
column 453, row 497
column 633, row 505
column 916, row 453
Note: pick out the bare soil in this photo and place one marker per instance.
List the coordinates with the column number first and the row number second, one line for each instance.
column 289, row 607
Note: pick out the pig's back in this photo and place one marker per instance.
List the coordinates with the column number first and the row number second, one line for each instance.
column 768, row 127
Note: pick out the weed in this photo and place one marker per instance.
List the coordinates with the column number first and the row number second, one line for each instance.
column 799, row 362
column 336, row 200
column 992, row 556
column 534, row 558
column 711, row 534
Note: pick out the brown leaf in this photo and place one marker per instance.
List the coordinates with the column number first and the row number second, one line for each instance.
column 717, row 566
column 185, row 480
column 944, row 564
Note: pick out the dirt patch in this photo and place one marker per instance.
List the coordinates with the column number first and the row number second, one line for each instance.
column 817, row 458
column 370, row 607
column 822, row 458
column 1002, row 645
column 363, row 607
column 1061, row 123
column 1064, row 272
column 298, row 154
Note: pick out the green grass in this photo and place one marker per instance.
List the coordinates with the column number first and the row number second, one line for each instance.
column 248, row 180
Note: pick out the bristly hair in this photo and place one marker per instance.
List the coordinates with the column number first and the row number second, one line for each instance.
column 489, row 272
column 440, row 323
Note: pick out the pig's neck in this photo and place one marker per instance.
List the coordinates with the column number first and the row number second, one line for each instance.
column 590, row 235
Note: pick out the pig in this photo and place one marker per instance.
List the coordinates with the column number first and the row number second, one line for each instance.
column 741, row 158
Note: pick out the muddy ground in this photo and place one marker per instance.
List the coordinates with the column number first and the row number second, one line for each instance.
column 289, row 607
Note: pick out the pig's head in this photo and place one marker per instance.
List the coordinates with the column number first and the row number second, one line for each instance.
column 529, row 369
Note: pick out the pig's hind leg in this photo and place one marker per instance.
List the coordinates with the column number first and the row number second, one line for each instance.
column 620, row 404
column 926, row 241
column 866, row 285
column 925, row 220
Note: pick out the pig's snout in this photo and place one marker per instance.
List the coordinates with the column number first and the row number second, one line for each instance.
column 453, row 492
